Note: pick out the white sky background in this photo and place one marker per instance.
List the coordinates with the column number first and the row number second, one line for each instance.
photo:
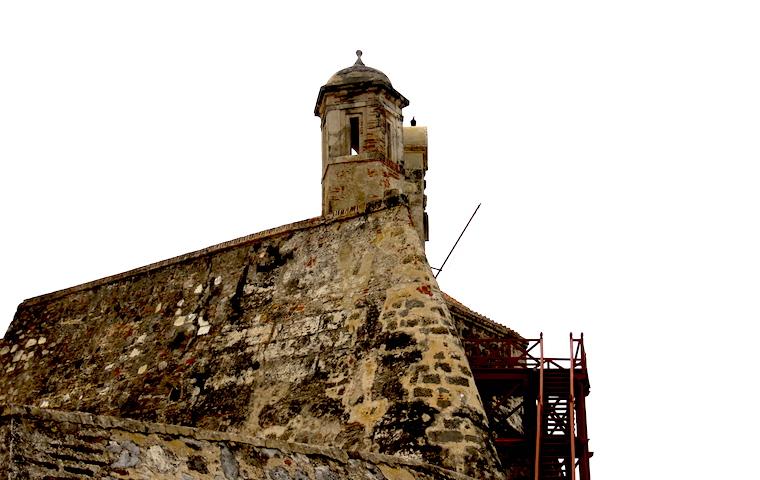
column 614, row 147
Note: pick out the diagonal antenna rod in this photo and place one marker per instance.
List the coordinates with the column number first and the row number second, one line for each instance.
column 455, row 243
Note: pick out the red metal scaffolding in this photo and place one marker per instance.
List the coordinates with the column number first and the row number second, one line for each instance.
column 550, row 437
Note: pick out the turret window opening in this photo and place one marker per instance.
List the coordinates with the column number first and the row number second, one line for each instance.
column 353, row 123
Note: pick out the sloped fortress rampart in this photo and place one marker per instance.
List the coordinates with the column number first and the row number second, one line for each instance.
column 328, row 333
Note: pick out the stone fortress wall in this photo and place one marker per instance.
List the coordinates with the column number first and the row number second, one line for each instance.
column 331, row 333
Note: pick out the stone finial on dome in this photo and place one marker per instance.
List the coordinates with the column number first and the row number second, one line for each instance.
column 358, row 58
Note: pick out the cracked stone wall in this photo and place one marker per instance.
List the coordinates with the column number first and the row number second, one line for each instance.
column 328, row 332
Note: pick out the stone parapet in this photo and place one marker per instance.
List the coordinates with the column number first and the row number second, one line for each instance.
column 335, row 216
column 43, row 443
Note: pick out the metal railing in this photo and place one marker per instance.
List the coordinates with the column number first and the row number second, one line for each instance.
column 493, row 353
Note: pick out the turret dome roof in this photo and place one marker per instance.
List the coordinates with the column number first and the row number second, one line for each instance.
column 358, row 72
column 356, row 78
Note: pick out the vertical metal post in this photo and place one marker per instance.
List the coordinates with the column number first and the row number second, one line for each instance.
column 539, row 409
column 583, row 461
column 583, row 353
column 571, row 409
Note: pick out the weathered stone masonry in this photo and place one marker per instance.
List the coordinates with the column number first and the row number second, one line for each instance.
column 333, row 333
column 43, row 443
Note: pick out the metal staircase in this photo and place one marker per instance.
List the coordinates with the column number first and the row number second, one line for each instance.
column 545, row 396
